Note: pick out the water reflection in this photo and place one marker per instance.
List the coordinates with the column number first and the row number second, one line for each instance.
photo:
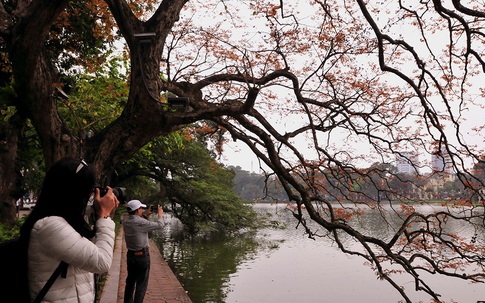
column 204, row 265
column 284, row 265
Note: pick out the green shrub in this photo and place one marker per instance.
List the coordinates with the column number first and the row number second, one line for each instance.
column 10, row 232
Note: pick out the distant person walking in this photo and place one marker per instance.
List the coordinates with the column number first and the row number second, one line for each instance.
column 136, row 229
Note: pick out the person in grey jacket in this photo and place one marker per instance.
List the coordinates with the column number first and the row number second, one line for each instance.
column 56, row 230
column 136, row 229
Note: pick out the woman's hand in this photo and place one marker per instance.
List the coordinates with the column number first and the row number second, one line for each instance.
column 105, row 205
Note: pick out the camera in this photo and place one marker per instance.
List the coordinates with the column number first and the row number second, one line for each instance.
column 154, row 209
column 119, row 192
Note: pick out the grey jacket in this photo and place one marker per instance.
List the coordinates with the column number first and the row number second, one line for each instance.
column 136, row 231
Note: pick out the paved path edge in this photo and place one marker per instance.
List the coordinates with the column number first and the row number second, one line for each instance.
column 163, row 285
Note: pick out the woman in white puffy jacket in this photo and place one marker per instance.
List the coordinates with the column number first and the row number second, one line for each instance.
column 57, row 231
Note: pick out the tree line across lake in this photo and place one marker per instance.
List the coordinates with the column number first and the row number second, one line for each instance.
column 437, row 186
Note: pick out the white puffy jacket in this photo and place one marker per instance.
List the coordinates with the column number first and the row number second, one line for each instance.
column 53, row 240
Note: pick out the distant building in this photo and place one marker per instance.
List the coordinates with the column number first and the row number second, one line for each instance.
column 479, row 170
column 406, row 162
column 441, row 161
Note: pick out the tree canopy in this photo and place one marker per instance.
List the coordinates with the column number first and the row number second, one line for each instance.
column 189, row 182
column 316, row 89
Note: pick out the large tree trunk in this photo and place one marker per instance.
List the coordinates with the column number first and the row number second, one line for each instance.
column 144, row 117
column 8, row 178
column 36, row 75
column 35, row 80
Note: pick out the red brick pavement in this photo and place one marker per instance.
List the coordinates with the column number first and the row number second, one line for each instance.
column 163, row 286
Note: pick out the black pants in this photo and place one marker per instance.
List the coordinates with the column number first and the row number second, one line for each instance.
column 138, row 265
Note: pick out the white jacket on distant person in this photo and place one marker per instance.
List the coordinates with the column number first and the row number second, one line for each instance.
column 52, row 240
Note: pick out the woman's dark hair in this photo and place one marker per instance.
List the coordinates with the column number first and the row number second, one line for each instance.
column 65, row 192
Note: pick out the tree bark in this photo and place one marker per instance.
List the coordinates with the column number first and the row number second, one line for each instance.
column 36, row 77
column 8, row 177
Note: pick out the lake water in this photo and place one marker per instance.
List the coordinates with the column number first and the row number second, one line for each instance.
column 284, row 265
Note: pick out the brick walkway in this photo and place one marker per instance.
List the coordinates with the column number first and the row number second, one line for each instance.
column 163, row 286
